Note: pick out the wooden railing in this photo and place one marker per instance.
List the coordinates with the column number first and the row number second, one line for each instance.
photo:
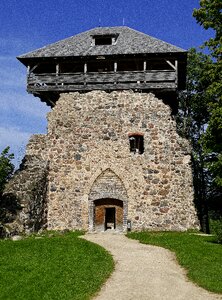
column 155, row 79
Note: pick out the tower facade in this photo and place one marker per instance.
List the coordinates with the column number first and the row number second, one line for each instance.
column 112, row 158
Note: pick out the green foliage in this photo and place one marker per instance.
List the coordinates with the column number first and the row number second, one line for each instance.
column 199, row 255
column 212, row 142
column 8, row 204
column 60, row 266
column 216, row 228
column 193, row 115
column 6, row 167
column 193, row 105
column 210, row 17
column 200, row 118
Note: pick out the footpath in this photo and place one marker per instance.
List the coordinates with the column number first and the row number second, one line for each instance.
column 144, row 272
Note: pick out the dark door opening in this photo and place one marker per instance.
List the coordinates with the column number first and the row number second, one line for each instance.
column 110, row 218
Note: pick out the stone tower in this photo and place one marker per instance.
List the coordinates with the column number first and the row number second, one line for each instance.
column 111, row 158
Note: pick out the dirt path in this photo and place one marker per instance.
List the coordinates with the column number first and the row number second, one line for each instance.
column 144, row 272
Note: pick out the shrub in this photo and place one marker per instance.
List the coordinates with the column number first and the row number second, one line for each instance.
column 216, row 228
column 6, row 167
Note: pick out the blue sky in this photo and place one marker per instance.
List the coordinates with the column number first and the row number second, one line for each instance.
column 26, row 25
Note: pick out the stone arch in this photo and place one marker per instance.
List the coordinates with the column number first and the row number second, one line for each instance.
column 101, row 169
column 107, row 191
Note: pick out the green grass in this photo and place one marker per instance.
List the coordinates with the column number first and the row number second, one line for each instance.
column 55, row 267
column 199, row 255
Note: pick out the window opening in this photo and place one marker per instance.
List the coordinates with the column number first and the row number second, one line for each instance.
column 100, row 66
column 71, row 67
column 105, row 39
column 136, row 143
column 130, row 65
column 158, row 65
column 45, row 68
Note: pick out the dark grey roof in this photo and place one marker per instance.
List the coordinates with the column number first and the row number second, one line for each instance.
column 129, row 41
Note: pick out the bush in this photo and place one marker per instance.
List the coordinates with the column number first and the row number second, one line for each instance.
column 6, row 167
column 8, row 203
column 216, row 228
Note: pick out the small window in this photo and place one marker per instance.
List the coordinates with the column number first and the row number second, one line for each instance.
column 136, row 143
column 106, row 40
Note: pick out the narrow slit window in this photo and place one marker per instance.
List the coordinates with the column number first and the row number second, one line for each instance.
column 136, row 143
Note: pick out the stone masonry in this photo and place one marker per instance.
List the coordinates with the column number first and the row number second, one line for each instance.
column 90, row 166
column 28, row 188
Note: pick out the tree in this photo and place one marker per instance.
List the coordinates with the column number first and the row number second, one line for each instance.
column 200, row 114
column 192, row 118
column 8, row 203
column 6, row 167
column 212, row 143
column 209, row 15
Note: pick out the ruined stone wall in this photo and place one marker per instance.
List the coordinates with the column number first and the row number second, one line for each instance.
column 28, row 188
column 88, row 134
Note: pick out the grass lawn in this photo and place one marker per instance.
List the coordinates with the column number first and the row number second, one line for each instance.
column 199, row 255
column 55, row 267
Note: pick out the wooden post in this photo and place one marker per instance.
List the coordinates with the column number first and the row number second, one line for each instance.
column 28, row 73
column 175, row 67
column 85, row 71
column 85, row 68
column 144, row 70
column 57, row 69
column 144, row 66
column 176, row 71
column 28, row 70
column 57, row 73
column 115, row 69
column 115, row 66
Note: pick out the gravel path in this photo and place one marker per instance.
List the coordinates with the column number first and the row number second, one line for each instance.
column 144, row 272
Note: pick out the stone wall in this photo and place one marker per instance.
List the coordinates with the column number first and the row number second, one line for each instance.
column 89, row 134
column 29, row 187
column 88, row 150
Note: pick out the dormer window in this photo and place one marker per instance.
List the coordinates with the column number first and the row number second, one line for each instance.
column 105, row 39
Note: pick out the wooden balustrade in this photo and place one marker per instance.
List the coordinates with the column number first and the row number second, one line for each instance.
column 62, row 82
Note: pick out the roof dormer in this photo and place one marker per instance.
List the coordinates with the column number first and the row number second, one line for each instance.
column 104, row 39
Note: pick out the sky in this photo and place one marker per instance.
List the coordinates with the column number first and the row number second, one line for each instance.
column 26, row 25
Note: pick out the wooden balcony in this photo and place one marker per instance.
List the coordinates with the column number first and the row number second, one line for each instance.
column 120, row 80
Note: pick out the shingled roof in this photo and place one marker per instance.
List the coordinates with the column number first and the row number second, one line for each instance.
column 128, row 41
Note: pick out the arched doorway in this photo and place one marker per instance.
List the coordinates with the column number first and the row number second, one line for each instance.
column 108, row 203
column 108, row 214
